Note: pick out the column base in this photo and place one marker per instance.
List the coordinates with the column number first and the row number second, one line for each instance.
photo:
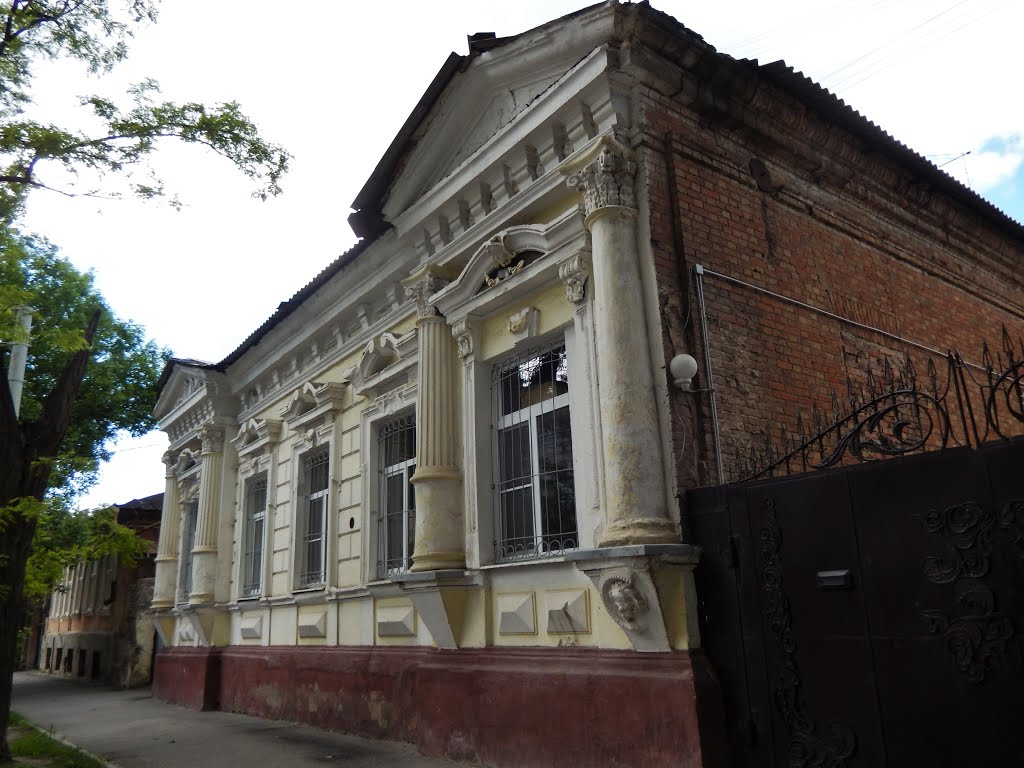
column 639, row 531
column 437, row 561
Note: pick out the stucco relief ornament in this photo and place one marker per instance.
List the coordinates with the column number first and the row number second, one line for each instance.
column 463, row 337
column 607, row 181
column 574, row 273
column 519, row 322
column 624, row 602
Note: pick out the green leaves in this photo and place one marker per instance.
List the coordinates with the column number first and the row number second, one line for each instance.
column 118, row 391
column 64, row 538
column 96, row 32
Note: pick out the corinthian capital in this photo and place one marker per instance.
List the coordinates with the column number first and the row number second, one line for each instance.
column 422, row 285
column 213, row 439
column 604, row 175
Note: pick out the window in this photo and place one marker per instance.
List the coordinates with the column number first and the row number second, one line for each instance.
column 397, row 518
column 312, row 541
column 535, row 497
column 254, row 512
column 188, row 541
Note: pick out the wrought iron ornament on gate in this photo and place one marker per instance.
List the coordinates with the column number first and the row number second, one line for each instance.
column 896, row 412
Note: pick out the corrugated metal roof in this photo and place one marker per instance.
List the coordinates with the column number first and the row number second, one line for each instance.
column 366, row 219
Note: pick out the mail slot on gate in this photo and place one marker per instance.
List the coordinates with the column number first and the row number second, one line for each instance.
column 835, row 579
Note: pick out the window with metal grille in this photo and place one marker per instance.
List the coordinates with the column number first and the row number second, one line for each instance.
column 396, row 520
column 535, row 496
column 188, row 540
column 254, row 515
column 312, row 541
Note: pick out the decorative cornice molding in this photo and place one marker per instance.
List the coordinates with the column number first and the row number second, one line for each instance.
column 312, row 399
column 185, row 460
column 255, row 434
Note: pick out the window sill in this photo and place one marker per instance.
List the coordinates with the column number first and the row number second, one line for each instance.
column 533, row 561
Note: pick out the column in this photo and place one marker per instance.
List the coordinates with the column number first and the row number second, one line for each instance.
column 635, row 507
column 204, row 552
column 167, row 547
column 440, row 541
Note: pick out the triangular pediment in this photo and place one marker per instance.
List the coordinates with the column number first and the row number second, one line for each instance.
column 184, row 380
column 489, row 94
column 479, row 124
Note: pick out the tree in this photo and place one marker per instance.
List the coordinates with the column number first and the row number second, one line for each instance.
column 69, row 413
column 91, row 375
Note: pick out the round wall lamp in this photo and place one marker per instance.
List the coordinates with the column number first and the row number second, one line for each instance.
column 683, row 368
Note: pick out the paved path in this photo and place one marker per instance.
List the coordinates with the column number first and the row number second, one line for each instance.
column 130, row 729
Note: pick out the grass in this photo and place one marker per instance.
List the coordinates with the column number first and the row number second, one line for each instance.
column 33, row 747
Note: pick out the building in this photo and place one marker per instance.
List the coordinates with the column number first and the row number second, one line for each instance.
column 437, row 496
column 98, row 625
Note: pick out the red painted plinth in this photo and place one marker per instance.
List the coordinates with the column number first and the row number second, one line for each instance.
column 503, row 707
column 189, row 677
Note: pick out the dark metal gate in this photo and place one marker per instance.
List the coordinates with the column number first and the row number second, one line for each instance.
column 869, row 615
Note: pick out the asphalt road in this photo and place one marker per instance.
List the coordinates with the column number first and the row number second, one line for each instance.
column 130, row 729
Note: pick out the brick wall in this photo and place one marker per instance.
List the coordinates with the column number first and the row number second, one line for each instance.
column 845, row 230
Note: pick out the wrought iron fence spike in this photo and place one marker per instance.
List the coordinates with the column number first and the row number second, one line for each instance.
column 851, row 396
column 933, row 378
column 986, row 355
column 888, row 374
column 1007, row 344
column 910, row 371
column 872, row 387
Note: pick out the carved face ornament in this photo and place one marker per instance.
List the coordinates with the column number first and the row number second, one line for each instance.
column 625, row 603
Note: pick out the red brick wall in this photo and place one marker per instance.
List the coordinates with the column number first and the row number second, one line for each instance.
column 880, row 248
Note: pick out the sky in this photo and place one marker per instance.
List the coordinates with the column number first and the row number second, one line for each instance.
column 333, row 82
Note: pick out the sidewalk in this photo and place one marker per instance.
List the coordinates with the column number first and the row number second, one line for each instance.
column 130, row 729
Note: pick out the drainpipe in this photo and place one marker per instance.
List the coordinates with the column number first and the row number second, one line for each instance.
column 19, row 355
column 698, row 272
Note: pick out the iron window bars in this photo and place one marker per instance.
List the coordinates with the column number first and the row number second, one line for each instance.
column 187, row 543
column 313, row 539
column 255, row 509
column 535, row 497
column 396, row 520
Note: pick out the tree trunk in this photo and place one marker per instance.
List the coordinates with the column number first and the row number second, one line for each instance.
column 24, row 449
column 15, row 545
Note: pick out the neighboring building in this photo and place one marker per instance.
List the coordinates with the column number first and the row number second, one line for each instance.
column 98, row 627
column 436, row 496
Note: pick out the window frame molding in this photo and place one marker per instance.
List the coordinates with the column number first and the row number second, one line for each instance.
column 312, row 413
column 256, row 445
column 188, row 496
column 469, row 301
column 379, row 411
column 526, row 417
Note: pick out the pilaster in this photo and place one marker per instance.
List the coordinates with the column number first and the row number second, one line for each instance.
column 635, row 508
column 167, row 547
column 204, row 551
column 440, row 541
